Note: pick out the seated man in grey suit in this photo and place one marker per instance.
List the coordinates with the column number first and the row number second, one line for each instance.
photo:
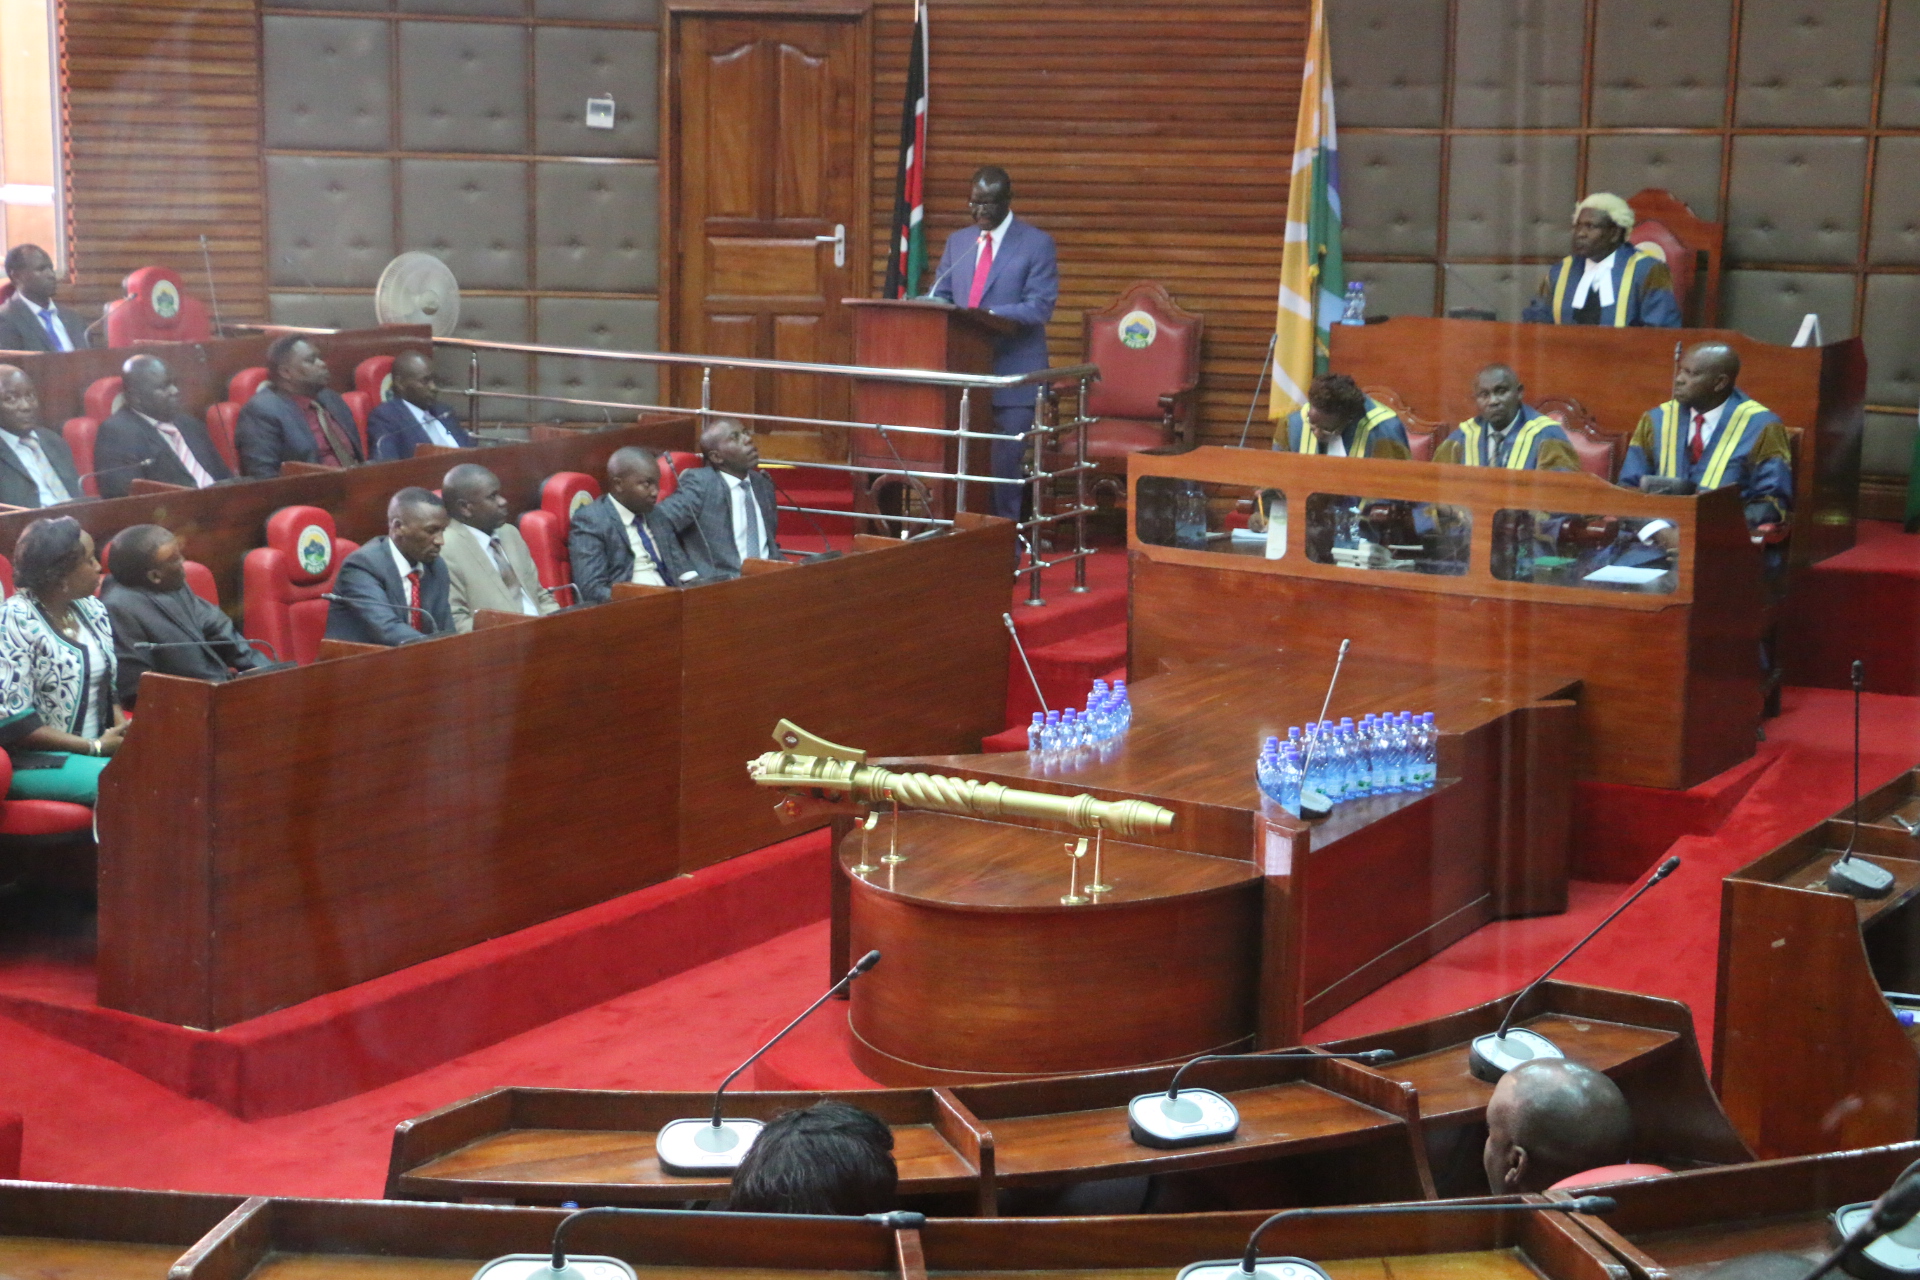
column 36, row 467
column 32, row 320
column 295, row 416
column 623, row 537
column 158, row 623
column 723, row 511
column 150, row 439
column 395, row 589
column 488, row 565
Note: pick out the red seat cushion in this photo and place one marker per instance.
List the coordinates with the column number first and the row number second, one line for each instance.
column 1609, row 1173
column 360, row 406
column 565, row 492
column 222, row 418
column 546, row 535
column 283, row 581
column 1110, row 438
column 38, row 817
column 103, row 399
column 242, row 385
column 372, row 376
column 80, row 433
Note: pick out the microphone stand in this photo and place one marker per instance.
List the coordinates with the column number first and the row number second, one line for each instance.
column 1167, row 1120
column 1324, row 807
column 1892, row 1211
column 1856, row 877
column 410, row 609
column 1258, row 382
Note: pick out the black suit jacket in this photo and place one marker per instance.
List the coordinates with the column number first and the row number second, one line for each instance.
column 394, row 433
column 601, row 556
column 700, row 510
column 374, row 611
column 208, row 648
column 126, row 440
column 272, row 430
column 20, row 329
column 17, row 488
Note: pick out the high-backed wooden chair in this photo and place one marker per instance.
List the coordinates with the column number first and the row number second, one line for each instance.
column 1692, row 248
column 1148, row 350
column 1599, row 452
column 1422, row 433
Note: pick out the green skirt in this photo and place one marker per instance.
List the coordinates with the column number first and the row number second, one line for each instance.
column 76, row 780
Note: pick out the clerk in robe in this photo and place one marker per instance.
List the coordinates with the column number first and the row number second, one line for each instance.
column 1341, row 421
column 1605, row 280
column 1507, row 432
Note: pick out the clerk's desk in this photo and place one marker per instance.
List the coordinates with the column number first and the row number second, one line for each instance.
column 293, row 833
column 1618, row 374
column 1670, row 677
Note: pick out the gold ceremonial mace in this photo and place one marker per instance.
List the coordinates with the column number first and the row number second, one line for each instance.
column 1076, row 850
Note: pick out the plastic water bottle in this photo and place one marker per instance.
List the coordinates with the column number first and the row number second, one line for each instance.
column 1050, row 736
column 1291, row 777
column 1126, row 704
column 1036, row 737
column 1392, row 755
column 1376, row 744
column 1266, row 773
column 1071, row 738
column 1356, row 312
column 1360, row 768
column 1429, row 750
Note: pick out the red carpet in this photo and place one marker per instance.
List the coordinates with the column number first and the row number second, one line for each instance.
column 1863, row 603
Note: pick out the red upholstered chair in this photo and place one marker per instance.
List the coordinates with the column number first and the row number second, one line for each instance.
column 1599, row 452
column 1148, row 350
column 545, row 527
column 156, row 308
column 224, row 416
column 6, row 576
column 1422, row 434
column 1692, row 248
column 242, row 385
column 103, row 399
column 282, row 582
column 372, row 377
column 25, row 824
column 360, row 406
column 675, row 463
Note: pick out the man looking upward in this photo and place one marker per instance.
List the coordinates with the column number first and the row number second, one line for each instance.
column 724, row 511
column 1606, row 281
column 295, row 416
column 151, row 604
column 1007, row 267
column 1506, row 432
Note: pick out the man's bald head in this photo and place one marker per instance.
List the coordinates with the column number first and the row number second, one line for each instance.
column 633, row 479
column 473, row 497
column 149, row 388
column 1549, row 1119
column 1706, row 376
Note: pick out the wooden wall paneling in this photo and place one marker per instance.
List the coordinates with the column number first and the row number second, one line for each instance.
column 1152, row 141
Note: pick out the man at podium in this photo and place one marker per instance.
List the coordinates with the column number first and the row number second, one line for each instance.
column 1507, row 432
column 1007, row 267
column 1341, row 421
column 1606, row 281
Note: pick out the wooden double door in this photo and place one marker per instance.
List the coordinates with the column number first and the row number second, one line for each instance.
column 768, row 123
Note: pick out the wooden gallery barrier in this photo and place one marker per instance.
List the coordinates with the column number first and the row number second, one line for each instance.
column 1619, row 374
column 276, row 838
column 1328, row 1132
column 1670, row 686
column 1808, row 1053
column 52, row 1230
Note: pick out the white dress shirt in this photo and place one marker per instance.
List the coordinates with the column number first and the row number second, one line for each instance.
column 436, row 430
column 40, row 318
column 181, row 449
column 742, row 495
column 1597, row 276
column 527, row 604
column 36, row 464
column 406, row 567
column 646, row 570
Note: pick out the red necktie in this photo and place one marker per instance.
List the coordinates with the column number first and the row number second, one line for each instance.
column 980, row 270
column 1696, row 444
column 419, row 618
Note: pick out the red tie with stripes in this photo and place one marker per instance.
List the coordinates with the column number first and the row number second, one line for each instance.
column 980, row 270
column 1697, row 443
column 419, row 618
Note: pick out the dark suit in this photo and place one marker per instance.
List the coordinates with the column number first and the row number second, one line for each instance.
column 17, row 488
column 700, row 510
column 127, row 439
column 172, row 618
column 21, row 330
column 375, row 612
column 601, row 555
column 393, row 432
column 273, row 430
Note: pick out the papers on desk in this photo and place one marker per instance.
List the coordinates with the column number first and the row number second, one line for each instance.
column 1273, row 540
column 1625, row 575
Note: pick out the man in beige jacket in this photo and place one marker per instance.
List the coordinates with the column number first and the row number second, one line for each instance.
column 484, row 553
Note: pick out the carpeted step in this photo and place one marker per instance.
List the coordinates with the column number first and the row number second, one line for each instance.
column 12, row 1130
column 1066, row 671
column 813, row 487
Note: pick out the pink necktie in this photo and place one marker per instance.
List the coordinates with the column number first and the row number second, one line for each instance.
column 980, row 271
column 181, row 450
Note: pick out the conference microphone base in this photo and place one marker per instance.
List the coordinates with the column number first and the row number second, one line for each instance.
column 1264, row 1269
column 1858, row 878
column 1893, row 1255
column 539, row 1266
column 1492, row 1056
column 699, row 1148
column 1196, row 1117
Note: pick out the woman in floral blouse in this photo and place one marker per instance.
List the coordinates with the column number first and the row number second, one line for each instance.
column 59, row 719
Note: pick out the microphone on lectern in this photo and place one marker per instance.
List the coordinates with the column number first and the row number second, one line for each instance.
column 1856, row 877
column 700, row 1147
column 1493, row 1056
column 1875, row 1239
column 1169, row 1119
column 1252, row 1266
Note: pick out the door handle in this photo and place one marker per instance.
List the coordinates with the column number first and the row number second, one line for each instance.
column 839, row 242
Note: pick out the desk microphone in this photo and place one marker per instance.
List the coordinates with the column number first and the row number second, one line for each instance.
column 1169, row 1120
column 1313, row 804
column 1872, row 1240
column 1493, row 1056
column 699, row 1147
column 141, row 465
column 203, row 644
column 433, row 628
column 1252, row 1265
column 539, row 1266
column 1853, row 876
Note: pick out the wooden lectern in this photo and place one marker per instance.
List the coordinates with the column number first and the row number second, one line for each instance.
column 919, row 334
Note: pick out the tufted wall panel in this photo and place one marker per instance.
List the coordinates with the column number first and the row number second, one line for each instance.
column 572, row 64
column 491, row 320
column 1389, row 61
column 325, row 82
column 1795, row 198
column 1688, row 166
column 471, row 214
column 1900, row 89
column 1501, row 287
column 1390, row 194
column 322, row 310
column 1510, row 195
column 597, row 227
column 1807, row 62
column 329, row 221
column 1661, row 62
column 1395, row 288
column 1892, row 335
column 369, row 6
column 463, row 87
column 599, row 10
column 1886, row 447
column 1895, row 233
column 1769, row 305
column 475, row 8
column 1517, row 63
column 623, row 324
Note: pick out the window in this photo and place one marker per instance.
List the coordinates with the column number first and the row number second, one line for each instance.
column 30, row 189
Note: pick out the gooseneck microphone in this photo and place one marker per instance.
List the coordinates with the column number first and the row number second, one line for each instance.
column 1314, row 805
column 1856, row 877
column 559, row 1266
column 433, row 628
column 1869, row 1235
column 1171, row 1120
column 142, row 465
column 1252, row 1265
column 700, row 1147
column 1493, row 1056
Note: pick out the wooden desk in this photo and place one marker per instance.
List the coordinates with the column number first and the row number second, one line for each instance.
column 1619, row 374
column 52, row 1231
column 1670, row 680
column 279, row 837
column 1808, row 1055
column 1248, row 923
column 1687, row 1224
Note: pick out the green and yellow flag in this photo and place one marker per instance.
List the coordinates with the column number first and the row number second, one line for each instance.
column 1312, row 273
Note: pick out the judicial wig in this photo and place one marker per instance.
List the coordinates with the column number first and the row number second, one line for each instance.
column 829, row 1158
